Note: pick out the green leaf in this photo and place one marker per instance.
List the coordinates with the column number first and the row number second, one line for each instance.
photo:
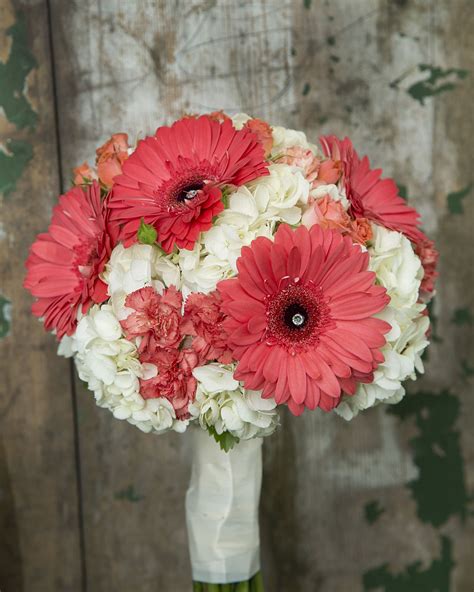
column 225, row 440
column 455, row 200
column 146, row 235
column 402, row 191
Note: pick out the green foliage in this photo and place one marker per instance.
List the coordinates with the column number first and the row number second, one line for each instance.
column 435, row 578
column 402, row 191
column 146, row 235
column 439, row 489
column 255, row 584
column 456, row 199
column 225, row 440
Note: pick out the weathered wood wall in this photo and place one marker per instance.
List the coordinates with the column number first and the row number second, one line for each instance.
column 382, row 503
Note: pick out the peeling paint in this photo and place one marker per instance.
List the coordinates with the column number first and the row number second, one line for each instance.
column 5, row 316
column 435, row 81
column 456, row 199
column 439, row 489
column 12, row 164
column 467, row 368
column 462, row 316
column 373, row 511
column 13, row 75
column 129, row 494
column 435, row 578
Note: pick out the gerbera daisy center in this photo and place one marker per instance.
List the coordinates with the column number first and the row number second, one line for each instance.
column 189, row 192
column 296, row 316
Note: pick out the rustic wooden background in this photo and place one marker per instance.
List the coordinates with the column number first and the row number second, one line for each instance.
column 380, row 504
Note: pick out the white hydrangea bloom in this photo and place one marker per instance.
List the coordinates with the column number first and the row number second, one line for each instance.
column 285, row 138
column 109, row 364
column 201, row 271
column 221, row 402
column 281, row 194
column 135, row 267
column 253, row 210
column 239, row 120
column 399, row 270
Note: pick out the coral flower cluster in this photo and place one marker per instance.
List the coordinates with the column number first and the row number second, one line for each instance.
column 224, row 267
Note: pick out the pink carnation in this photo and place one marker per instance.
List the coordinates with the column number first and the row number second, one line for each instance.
column 84, row 174
column 328, row 213
column 263, row 132
column 203, row 319
column 156, row 318
column 316, row 171
column 174, row 380
column 110, row 158
column 429, row 256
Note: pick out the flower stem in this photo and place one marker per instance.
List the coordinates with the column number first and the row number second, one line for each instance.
column 255, row 584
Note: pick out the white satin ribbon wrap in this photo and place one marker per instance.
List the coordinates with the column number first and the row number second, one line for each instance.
column 222, row 510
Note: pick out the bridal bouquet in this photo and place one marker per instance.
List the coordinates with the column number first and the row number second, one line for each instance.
column 223, row 268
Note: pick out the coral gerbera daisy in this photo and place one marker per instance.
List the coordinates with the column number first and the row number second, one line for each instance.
column 65, row 264
column 173, row 179
column 370, row 196
column 300, row 317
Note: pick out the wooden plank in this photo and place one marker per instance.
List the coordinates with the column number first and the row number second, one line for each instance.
column 39, row 531
column 346, row 67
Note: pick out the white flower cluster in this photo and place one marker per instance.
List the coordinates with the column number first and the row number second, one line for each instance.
column 221, row 402
column 109, row 364
column 132, row 268
column 399, row 270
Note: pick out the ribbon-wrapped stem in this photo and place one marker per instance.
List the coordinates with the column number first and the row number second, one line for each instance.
column 222, row 515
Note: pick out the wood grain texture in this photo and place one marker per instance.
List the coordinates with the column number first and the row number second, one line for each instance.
column 336, row 503
column 39, row 536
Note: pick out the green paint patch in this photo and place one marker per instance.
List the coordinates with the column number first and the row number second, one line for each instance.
column 435, row 338
column 306, row 88
column 307, row 3
column 439, row 490
column 373, row 511
column 129, row 494
column 12, row 163
column 334, row 58
column 467, row 369
column 437, row 81
column 13, row 75
column 5, row 316
column 435, row 578
column 462, row 316
column 331, row 40
column 456, row 199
